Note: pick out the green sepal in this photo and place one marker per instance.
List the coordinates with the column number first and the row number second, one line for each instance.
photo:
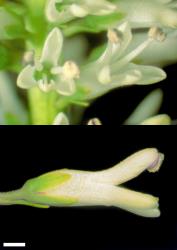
column 4, row 55
column 26, row 203
column 38, row 191
column 46, row 181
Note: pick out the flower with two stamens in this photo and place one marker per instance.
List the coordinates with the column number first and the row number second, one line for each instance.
column 47, row 72
column 114, row 68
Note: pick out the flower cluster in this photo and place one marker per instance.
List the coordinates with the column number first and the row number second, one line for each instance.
column 46, row 45
column 114, row 68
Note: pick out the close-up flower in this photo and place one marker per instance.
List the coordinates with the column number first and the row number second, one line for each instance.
column 47, row 73
column 114, row 68
column 85, row 188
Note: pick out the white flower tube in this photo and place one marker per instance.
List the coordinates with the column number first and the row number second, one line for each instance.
column 86, row 188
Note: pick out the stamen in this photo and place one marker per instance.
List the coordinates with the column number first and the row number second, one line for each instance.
column 113, row 36
column 70, row 70
column 157, row 34
column 129, row 57
column 28, row 57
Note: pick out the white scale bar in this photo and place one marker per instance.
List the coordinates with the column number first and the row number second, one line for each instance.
column 17, row 244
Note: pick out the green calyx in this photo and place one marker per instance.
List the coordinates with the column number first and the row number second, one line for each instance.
column 46, row 182
column 39, row 190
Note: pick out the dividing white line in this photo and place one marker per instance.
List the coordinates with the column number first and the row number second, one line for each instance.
column 13, row 244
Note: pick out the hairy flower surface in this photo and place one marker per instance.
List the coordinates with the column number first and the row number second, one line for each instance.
column 70, row 10
column 86, row 188
column 47, row 73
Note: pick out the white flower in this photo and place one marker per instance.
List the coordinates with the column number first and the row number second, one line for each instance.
column 47, row 73
column 115, row 69
column 146, row 13
column 86, row 188
column 79, row 9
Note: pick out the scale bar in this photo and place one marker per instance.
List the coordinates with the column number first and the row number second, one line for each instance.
column 14, row 244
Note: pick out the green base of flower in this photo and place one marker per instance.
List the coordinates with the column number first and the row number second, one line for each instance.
column 42, row 106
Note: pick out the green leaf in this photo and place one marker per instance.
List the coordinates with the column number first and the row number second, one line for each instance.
column 92, row 24
column 11, row 119
column 4, row 55
column 11, row 25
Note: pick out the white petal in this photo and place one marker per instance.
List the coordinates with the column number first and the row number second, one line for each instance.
column 26, row 78
column 52, row 48
column 114, row 50
column 150, row 74
column 78, row 11
column 147, row 159
column 91, row 193
column 104, row 75
column 100, row 7
column 51, row 11
column 150, row 213
column 125, row 29
column 65, row 87
column 61, row 119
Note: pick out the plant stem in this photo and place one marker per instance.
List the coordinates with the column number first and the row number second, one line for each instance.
column 10, row 198
column 42, row 106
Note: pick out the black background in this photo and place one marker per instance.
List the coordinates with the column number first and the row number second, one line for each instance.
column 27, row 152
column 116, row 106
